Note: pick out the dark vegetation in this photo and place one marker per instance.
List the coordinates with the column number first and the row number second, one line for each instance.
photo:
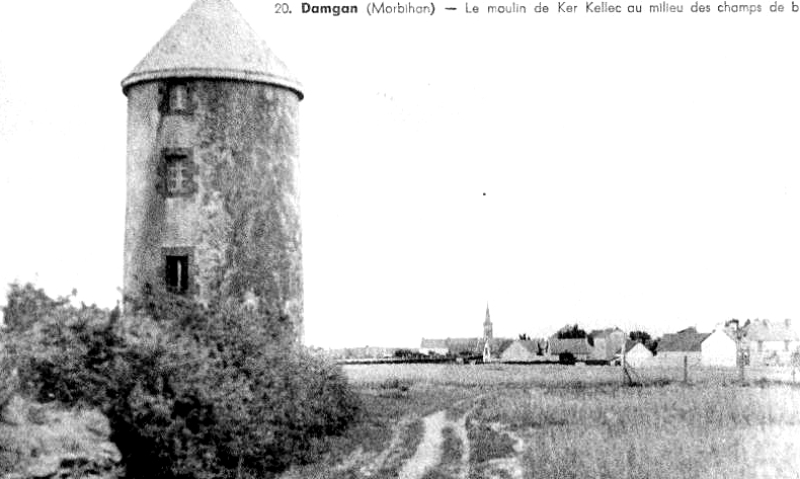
column 486, row 443
column 644, row 338
column 566, row 358
column 571, row 332
column 409, row 354
column 190, row 391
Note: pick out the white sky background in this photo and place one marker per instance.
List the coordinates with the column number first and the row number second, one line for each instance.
column 639, row 171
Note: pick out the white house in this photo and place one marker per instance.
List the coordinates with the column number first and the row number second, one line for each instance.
column 434, row 346
column 718, row 349
column 771, row 343
column 637, row 355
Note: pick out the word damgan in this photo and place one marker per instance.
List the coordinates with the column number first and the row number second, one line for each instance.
column 334, row 10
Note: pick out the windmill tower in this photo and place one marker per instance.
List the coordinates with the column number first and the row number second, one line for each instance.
column 212, row 166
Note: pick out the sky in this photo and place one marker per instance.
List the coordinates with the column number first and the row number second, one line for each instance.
column 606, row 170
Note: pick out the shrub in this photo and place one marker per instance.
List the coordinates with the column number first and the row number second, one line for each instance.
column 566, row 358
column 25, row 303
column 190, row 391
column 8, row 379
column 486, row 443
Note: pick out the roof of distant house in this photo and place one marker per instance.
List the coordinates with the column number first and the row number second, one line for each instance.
column 498, row 345
column 466, row 345
column 630, row 345
column 765, row 330
column 603, row 333
column 531, row 345
column 570, row 345
column 730, row 332
column 687, row 340
column 433, row 343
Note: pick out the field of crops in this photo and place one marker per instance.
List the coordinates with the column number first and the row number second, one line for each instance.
column 581, row 422
column 551, row 375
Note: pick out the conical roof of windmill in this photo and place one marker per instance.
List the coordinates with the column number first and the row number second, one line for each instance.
column 212, row 40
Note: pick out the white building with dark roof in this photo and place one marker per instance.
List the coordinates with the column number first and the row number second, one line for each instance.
column 636, row 355
column 673, row 348
column 719, row 348
column 770, row 343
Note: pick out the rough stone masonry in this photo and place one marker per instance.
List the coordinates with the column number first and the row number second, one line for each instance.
column 212, row 168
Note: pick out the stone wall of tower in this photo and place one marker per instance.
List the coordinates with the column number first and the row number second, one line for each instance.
column 241, row 226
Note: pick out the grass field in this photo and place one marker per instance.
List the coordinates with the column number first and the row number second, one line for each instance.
column 575, row 422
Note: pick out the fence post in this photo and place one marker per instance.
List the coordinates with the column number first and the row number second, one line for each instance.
column 741, row 369
column 685, row 369
column 740, row 352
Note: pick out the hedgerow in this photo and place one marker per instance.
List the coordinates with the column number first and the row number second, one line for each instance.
column 191, row 391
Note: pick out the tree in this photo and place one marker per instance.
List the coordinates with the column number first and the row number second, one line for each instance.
column 524, row 337
column 571, row 332
column 24, row 303
column 644, row 338
column 639, row 336
column 405, row 354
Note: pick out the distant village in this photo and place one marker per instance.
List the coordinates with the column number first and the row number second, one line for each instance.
column 759, row 342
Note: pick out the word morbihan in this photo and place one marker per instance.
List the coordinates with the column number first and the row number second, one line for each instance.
column 557, row 6
column 381, row 8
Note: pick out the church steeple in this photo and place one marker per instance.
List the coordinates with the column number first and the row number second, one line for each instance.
column 487, row 324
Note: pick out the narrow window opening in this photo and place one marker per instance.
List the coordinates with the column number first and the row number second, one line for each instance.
column 177, row 274
column 178, row 172
column 176, row 99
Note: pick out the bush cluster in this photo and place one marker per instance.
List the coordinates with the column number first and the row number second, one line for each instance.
column 8, row 383
column 190, row 391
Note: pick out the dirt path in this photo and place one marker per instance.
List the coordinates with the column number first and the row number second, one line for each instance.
column 447, row 457
column 460, row 430
column 429, row 450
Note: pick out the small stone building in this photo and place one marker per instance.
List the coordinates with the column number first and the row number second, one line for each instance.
column 212, row 204
column 636, row 355
column 719, row 348
column 673, row 348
